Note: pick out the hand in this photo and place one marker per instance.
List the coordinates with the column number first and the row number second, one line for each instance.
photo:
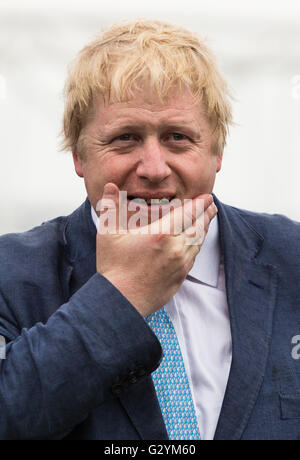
column 148, row 269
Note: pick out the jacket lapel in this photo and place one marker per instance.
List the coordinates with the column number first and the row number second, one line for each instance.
column 79, row 256
column 251, row 295
column 142, row 407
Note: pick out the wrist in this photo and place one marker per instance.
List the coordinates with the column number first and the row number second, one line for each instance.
column 129, row 291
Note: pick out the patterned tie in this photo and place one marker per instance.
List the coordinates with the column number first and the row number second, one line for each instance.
column 171, row 382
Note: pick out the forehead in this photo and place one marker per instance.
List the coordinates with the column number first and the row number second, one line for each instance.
column 145, row 106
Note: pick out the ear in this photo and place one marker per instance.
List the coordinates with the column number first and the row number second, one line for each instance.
column 219, row 162
column 78, row 164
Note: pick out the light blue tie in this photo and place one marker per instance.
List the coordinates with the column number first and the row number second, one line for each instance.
column 171, row 382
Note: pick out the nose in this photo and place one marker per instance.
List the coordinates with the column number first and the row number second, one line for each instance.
column 152, row 164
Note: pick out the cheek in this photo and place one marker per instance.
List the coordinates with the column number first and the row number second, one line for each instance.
column 94, row 180
column 199, row 177
column 119, row 169
column 113, row 169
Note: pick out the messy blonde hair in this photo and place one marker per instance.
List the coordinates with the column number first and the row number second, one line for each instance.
column 143, row 52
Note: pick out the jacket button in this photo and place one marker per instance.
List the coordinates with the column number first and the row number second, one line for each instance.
column 132, row 377
column 141, row 372
column 117, row 389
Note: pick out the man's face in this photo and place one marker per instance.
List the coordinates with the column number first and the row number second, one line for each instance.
column 149, row 149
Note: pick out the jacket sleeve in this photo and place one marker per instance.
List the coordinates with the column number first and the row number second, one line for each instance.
column 54, row 374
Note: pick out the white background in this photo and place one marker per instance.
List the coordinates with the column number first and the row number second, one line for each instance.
column 258, row 46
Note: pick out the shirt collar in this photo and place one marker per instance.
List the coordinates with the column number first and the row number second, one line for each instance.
column 207, row 262
column 95, row 217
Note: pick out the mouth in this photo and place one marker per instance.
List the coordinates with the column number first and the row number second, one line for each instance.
column 153, row 200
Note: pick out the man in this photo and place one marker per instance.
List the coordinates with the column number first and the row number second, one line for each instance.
column 87, row 316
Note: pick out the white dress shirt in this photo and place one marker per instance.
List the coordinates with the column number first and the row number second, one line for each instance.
column 199, row 313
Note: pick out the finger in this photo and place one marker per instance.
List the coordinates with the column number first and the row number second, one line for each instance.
column 108, row 209
column 182, row 215
column 195, row 235
column 195, row 210
column 209, row 215
column 191, row 253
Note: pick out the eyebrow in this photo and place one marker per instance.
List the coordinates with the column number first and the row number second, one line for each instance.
column 185, row 126
column 177, row 125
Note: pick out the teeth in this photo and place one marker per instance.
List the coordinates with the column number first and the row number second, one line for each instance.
column 153, row 201
column 161, row 201
column 139, row 200
column 165, row 200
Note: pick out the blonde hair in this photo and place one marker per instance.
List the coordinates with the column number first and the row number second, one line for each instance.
column 142, row 52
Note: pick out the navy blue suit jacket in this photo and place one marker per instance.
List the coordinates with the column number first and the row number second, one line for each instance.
column 79, row 356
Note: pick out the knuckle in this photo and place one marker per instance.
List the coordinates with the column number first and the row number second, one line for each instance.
column 209, row 211
column 178, row 250
column 189, row 211
column 159, row 240
column 177, row 253
column 213, row 210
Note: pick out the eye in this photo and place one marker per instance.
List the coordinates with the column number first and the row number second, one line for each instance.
column 175, row 137
column 178, row 137
column 125, row 137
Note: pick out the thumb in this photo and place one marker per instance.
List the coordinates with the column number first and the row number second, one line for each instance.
column 110, row 190
column 108, row 208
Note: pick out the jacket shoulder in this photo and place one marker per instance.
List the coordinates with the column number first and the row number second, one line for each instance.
column 276, row 225
column 24, row 254
column 280, row 233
